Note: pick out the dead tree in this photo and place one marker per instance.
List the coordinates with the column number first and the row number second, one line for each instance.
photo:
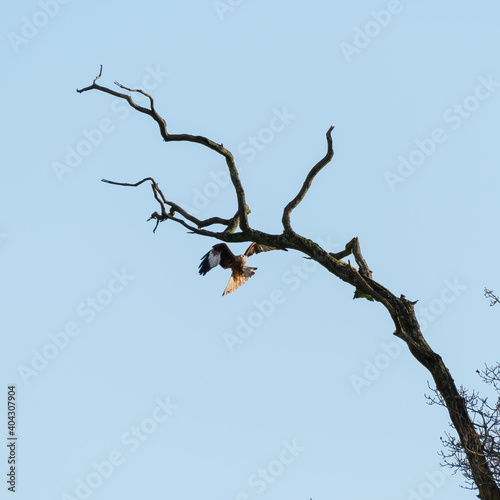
column 486, row 419
column 238, row 229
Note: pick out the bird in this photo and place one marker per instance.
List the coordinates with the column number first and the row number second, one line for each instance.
column 220, row 254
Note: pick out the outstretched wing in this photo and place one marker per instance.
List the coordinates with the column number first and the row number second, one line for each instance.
column 257, row 248
column 219, row 254
column 239, row 278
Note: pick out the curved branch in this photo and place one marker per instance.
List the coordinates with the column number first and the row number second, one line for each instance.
column 307, row 183
column 243, row 209
column 353, row 248
column 174, row 207
column 151, row 112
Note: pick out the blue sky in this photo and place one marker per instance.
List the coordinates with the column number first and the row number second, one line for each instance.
column 134, row 376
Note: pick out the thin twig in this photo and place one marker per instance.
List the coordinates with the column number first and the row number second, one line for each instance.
column 160, row 198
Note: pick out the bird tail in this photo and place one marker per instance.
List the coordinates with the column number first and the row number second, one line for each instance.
column 238, row 279
column 248, row 272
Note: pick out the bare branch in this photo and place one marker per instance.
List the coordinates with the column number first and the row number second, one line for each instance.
column 486, row 421
column 352, row 247
column 174, row 207
column 99, row 75
column 151, row 101
column 307, row 183
column 151, row 112
column 490, row 295
column 243, row 209
column 363, row 266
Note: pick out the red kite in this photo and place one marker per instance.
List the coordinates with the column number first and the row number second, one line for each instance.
column 221, row 255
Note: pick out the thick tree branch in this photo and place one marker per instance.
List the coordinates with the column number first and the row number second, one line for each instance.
column 407, row 328
column 486, row 420
column 307, row 183
column 353, row 248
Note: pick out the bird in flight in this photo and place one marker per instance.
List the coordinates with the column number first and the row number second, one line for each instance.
column 221, row 255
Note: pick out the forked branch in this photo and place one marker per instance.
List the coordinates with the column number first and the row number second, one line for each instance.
column 174, row 207
column 148, row 111
column 243, row 209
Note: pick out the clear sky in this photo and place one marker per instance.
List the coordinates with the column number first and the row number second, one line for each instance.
column 134, row 377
